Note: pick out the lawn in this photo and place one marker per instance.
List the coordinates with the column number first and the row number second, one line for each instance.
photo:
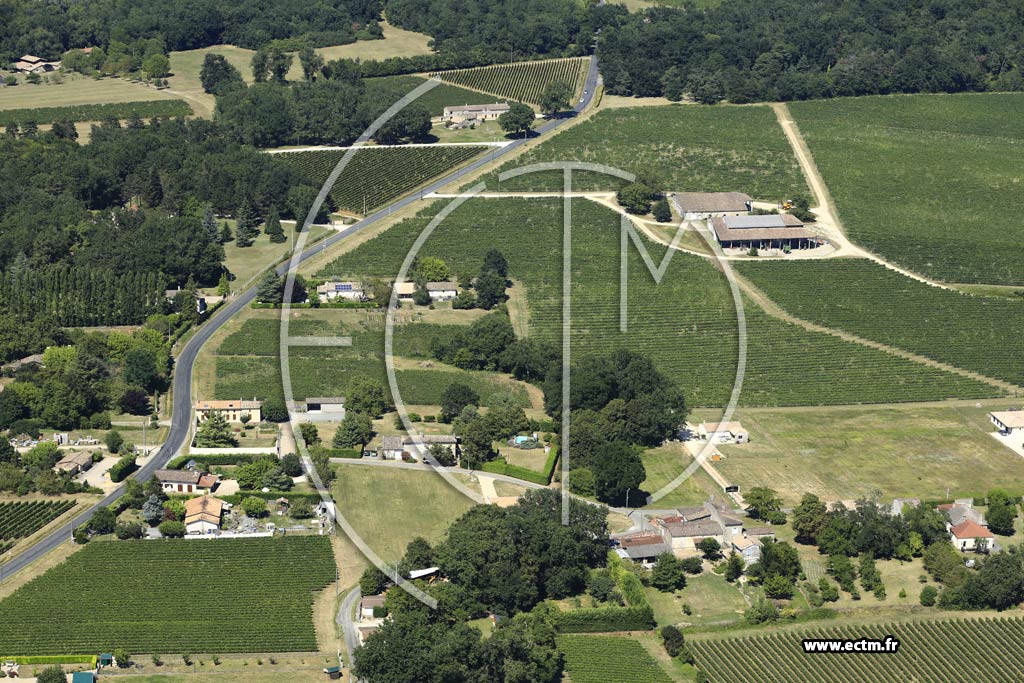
column 711, row 598
column 186, row 65
column 230, row 595
column 853, row 452
column 689, row 148
column 245, row 264
column 389, row 506
column 886, row 161
column 665, row 463
column 687, row 324
column 978, row 333
column 78, row 89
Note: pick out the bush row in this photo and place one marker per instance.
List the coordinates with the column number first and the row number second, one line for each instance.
column 96, row 112
column 122, row 468
column 542, row 478
column 605, row 619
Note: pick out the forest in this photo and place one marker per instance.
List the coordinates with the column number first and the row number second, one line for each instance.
column 49, row 29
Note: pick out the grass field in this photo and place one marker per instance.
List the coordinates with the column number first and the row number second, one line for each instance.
column 886, row 161
column 937, row 650
column 186, row 65
column 609, row 659
column 712, row 601
column 665, row 463
column 230, row 595
column 389, row 507
column 852, row 452
column 375, row 176
column 687, row 324
column 689, row 147
column 246, row 263
column 77, row 89
column 522, row 81
column 983, row 334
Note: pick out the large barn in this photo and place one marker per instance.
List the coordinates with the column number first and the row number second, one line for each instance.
column 771, row 231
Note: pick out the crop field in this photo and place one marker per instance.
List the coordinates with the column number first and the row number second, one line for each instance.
column 690, row 148
column 229, row 595
column 96, row 112
column 375, row 176
column 960, row 650
column 609, row 659
column 687, row 324
column 850, row 452
column 978, row 333
column 886, row 161
column 521, row 81
column 18, row 520
column 435, row 99
column 247, row 363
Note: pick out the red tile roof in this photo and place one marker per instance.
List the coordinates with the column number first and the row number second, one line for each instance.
column 969, row 529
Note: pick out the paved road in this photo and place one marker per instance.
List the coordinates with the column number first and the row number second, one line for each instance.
column 181, row 423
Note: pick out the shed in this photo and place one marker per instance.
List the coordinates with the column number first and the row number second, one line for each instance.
column 696, row 205
column 773, row 231
column 105, row 659
column 1008, row 421
column 83, row 677
column 333, row 672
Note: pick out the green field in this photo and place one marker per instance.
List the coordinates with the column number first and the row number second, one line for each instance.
column 376, row 175
column 846, row 453
column 978, row 333
column 19, row 520
column 609, row 659
column 78, row 90
column 521, row 81
column 712, row 601
column 691, row 148
column 435, row 99
column 389, row 507
column 687, row 325
column 96, row 112
column 961, row 650
column 247, row 360
column 227, row 595
column 665, row 463
column 888, row 163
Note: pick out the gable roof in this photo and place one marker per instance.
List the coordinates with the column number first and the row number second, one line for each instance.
column 228, row 405
column 713, row 202
column 724, row 233
column 1010, row 419
column 969, row 529
column 178, row 476
column 203, row 509
column 477, row 108
column 72, row 460
column 770, row 220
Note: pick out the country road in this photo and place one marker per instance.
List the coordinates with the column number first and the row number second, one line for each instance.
column 181, row 422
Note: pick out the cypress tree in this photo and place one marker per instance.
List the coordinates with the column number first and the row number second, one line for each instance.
column 273, row 227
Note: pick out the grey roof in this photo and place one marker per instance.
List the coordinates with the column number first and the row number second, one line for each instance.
column 704, row 527
column 724, row 233
column 178, row 476
column 772, row 220
column 430, row 438
column 442, row 286
column 390, row 443
column 712, row 202
column 325, row 399
column 477, row 108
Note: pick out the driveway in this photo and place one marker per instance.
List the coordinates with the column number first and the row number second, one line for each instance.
column 97, row 474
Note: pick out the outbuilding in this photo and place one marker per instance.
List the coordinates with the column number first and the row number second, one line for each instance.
column 1008, row 421
column 771, row 231
column 701, row 205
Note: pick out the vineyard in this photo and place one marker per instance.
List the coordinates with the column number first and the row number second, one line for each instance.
column 886, row 162
column 521, row 81
column 392, row 88
column 376, row 175
column 941, row 651
column 977, row 333
column 228, row 595
column 18, row 520
column 687, row 324
column 689, row 148
column 96, row 112
column 609, row 659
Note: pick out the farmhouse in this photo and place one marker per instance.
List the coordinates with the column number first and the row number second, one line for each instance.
column 232, row 411
column 395, row 447
column 350, row 291
column 438, row 291
column 34, row 359
column 772, row 231
column 1008, row 421
column 186, row 481
column 969, row 535
column 700, row 205
column 962, row 510
column 75, row 462
column 642, row 548
column 693, row 524
column 391, row 448
column 368, row 604
column 723, row 432
column 29, row 64
column 471, row 113
column 202, row 515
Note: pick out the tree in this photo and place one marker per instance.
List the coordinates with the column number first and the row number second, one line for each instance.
column 373, row 581
column 494, row 261
column 246, row 224
column 51, row 674
column 153, row 510
column 635, row 198
column 140, row 368
column 254, row 506
column 809, row 518
column 114, row 441
column 457, row 396
column 135, row 401
column 172, row 529
column 103, row 520
column 517, row 120
column 225, row 233
column 214, row 432
column 280, row 63
column 218, row 75
column 260, row 64
column 582, row 482
column 761, row 501
column 291, row 465
column 672, row 639
column 157, row 66
column 271, row 289
column 441, row 454
column 662, row 212
column 411, row 123
column 1001, row 513
column 272, row 227
column 929, row 595
column 556, row 97
column 778, row 587
column 734, row 567
column 431, row 269
column 668, row 574
column 369, row 398
column 710, row 548
column 355, row 430
column 311, row 62
column 490, row 289
column 64, row 129
column 617, row 468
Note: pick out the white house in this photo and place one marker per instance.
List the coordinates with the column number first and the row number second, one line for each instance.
column 232, row 411
column 438, row 291
column 203, row 515
column 474, row 112
column 186, row 481
column 391, row 448
column 723, row 432
column 1008, row 421
column 328, row 407
column 367, row 604
column 969, row 535
column 351, row 291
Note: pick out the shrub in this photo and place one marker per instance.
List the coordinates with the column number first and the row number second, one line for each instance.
column 122, row 468
column 693, row 565
column 929, row 596
column 172, row 529
column 672, row 639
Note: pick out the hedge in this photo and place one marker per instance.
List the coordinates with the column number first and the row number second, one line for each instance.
column 292, row 496
column 122, row 468
column 542, row 478
column 349, row 453
column 96, row 112
column 216, row 459
column 605, row 619
column 53, row 659
column 628, row 582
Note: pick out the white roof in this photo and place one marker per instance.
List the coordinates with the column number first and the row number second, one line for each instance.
column 765, row 221
column 420, row 573
column 1012, row 419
